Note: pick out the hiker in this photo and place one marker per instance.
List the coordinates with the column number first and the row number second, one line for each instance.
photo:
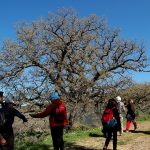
column 111, row 123
column 121, row 109
column 7, row 130
column 2, row 140
column 130, row 115
column 57, row 113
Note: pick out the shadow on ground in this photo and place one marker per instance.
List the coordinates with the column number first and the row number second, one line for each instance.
column 68, row 146
column 35, row 147
column 74, row 146
column 144, row 132
column 95, row 135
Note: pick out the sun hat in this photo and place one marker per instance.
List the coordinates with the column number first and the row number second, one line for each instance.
column 118, row 98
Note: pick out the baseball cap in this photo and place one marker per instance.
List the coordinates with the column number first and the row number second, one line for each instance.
column 55, row 96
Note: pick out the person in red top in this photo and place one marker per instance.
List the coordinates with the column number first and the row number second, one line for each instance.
column 57, row 120
column 112, row 130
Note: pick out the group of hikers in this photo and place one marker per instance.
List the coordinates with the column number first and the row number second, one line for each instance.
column 112, row 120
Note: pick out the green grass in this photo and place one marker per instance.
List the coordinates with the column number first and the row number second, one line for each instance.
column 143, row 118
column 45, row 141
column 122, row 142
column 80, row 134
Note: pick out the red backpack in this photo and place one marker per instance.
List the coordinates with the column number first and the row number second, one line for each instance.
column 59, row 113
column 108, row 119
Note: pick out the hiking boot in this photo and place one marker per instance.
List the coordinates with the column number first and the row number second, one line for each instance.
column 126, row 130
column 104, row 148
column 121, row 133
column 136, row 127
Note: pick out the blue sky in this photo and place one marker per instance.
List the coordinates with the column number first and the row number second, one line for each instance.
column 132, row 17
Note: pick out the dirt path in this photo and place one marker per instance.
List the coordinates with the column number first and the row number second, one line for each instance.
column 138, row 140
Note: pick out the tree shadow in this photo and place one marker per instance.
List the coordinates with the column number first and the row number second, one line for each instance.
column 95, row 135
column 74, row 146
column 35, row 147
column 77, row 147
column 144, row 132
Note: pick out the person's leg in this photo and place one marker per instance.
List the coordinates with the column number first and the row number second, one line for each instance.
column 128, row 125
column 60, row 137
column 121, row 122
column 115, row 139
column 54, row 138
column 104, row 131
column 10, row 142
column 135, row 124
column 108, row 139
column 9, row 137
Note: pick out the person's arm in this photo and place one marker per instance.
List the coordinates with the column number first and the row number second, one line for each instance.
column 43, row 114
column 19, row 115
column 133, row 108
column 123, row 107
column 116, row 115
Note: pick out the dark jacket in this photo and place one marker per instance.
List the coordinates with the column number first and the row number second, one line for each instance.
column 10, row 114
column 131, row 110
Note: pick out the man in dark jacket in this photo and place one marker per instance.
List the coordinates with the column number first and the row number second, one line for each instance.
column 7, row 131
column 56, row 125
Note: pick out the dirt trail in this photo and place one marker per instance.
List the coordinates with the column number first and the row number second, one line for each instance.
column 138, row 140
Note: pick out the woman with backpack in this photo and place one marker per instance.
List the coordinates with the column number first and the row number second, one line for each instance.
column 111, row 123
column 57, row 120
column 130, row 115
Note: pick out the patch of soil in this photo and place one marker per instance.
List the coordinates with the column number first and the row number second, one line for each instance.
column 138, row 140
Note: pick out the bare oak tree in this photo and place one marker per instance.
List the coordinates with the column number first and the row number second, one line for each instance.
column 81, row 58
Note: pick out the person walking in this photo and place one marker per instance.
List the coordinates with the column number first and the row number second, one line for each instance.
column 7, row 130
column 111, row 123
column 57, row 120
column 131, row 115
column 2, row 103
column 121, row 109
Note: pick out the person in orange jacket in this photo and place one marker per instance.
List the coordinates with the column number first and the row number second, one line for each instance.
column 57, row 120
